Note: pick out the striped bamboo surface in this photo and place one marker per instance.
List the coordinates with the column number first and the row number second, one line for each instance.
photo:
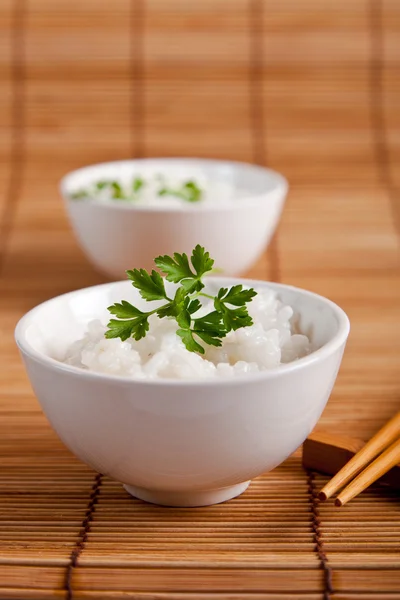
column 310, row 88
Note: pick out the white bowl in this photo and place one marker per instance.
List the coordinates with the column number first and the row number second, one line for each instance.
column 175, row 442
column 118, row 235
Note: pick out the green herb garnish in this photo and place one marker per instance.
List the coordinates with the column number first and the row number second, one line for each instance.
column 230, row 310
column 101, row 185
column 189, row 191
column 79, row 195
column 117, row 192
column 114, row 187
column 137, row 184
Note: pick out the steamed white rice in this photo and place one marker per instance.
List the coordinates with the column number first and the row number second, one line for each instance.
column 269, row 342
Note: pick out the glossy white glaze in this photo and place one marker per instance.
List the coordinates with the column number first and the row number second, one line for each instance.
column 179, row 442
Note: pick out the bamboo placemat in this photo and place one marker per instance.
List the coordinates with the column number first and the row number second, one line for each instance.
column 309, row 88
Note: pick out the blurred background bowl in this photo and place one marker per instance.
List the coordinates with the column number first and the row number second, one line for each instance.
column 119, row 235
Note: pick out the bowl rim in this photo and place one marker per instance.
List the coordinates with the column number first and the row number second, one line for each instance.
column 280, row 186
column 338, row 340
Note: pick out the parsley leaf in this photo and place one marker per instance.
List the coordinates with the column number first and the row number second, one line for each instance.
column 178, row 270
column 210, row 328
column 235, row 296
column 184, row 319
column 234, row 319
column 137, row 184
column 213, row 322
column 150, row 286
column 124, row 310
column 191, row 192
column 201, row 261
column 187, row 337
column 136, row 328
column 134, row 323
column 194, row 306
column 208, row 338
column 117, row 192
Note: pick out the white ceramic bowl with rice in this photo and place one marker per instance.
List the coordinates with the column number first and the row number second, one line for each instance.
column 234, row 218
column 180, row 434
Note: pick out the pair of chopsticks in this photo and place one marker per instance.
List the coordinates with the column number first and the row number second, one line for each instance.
column 387, row 442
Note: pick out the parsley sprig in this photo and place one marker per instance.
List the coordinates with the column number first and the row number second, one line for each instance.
column 229, row 305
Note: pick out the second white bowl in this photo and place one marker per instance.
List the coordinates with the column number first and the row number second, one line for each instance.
column 119, row 235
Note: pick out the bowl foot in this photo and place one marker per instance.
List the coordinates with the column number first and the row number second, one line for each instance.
column 187, row 499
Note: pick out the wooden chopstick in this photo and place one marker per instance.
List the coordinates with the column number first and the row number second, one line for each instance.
column 376, row 469
column 380, row 441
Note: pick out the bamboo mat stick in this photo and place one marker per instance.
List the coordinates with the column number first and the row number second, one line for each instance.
column 379, row 467
column 377, row 443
